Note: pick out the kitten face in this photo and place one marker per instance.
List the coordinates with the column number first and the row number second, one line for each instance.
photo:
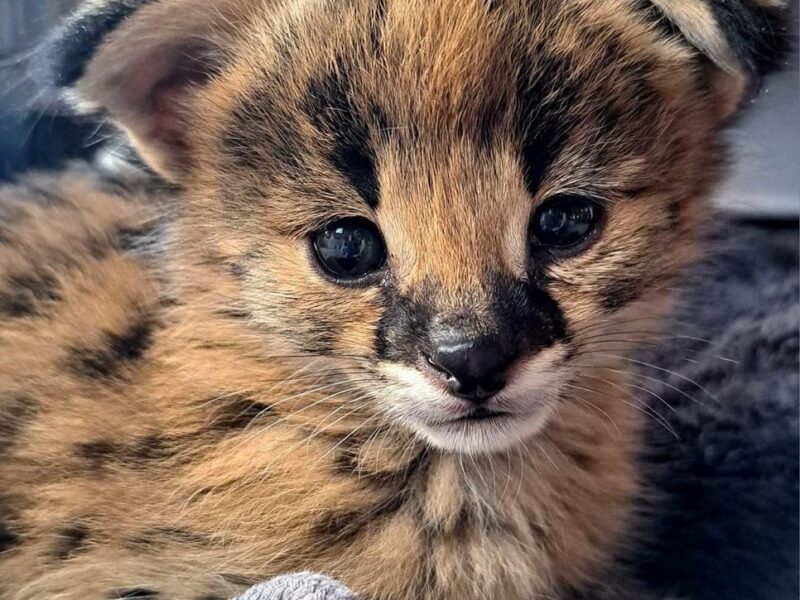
column 445, row 156
column 458, row 203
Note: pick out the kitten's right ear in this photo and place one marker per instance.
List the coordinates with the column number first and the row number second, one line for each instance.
column 742, row 39
column 137, row 62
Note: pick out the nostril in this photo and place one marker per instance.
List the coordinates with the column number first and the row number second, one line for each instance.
column 436, row 366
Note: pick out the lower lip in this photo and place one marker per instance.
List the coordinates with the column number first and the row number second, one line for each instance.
column 489, row 416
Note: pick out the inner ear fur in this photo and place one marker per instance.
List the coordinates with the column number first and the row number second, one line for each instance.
column 137, row 61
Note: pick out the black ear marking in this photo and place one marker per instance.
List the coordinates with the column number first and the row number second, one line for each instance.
column 756, row 32
column 72, row 47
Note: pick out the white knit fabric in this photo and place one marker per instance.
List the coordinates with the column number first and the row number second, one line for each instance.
column 299, row 586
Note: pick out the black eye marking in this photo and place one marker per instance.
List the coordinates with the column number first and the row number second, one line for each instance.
column 542, row 92
column 563, row 222
column 349, row 249
column 330, row 105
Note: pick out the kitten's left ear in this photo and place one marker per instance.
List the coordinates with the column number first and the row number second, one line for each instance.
column 743, row 39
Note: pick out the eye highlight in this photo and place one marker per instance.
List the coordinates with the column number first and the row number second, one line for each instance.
column 349, row 249
column 564, row 221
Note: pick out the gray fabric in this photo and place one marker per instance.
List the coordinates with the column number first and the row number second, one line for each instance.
column 300, row 586
column 728, row 528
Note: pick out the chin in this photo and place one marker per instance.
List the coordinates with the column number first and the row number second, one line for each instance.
column 484, row 435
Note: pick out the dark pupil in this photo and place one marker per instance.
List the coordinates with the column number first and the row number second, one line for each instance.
column 349, row 249
column 564, row 222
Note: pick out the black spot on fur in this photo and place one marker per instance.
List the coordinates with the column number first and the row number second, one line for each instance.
column 16, row 414
column 330, row 105
column 116, row 350
column 149, row 448
column 8, row 539
column 71, row 540
column 21, row 295
column 343, row 527
column 141, row 593
column 620, row 292
column 235, row 314
column 238, row 412
column 582, row 460
column 135, row 454
column 76, row 43
column 97, row 453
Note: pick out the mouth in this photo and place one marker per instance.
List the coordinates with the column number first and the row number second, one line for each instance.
column 481, row 414
column 482, row 430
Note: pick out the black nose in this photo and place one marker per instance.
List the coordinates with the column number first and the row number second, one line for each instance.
column 473, row 368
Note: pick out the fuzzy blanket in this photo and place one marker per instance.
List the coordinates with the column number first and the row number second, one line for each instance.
column 725, row 456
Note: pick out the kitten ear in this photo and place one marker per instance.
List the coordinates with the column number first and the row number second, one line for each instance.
column 137, row 62
column 743, row 39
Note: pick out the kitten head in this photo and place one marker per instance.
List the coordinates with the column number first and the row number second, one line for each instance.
column 460, row 199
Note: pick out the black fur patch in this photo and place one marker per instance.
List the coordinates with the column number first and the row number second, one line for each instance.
column 8, row 539
column 71, row 540
column 238, row 412
column 261, row 147
column 17, row 413
column 140, row 593
column 343, row 527
column 21, row 295
column 525, row 318
column 330, row 105
column 621, row 291
column 115, row 351
column 135, row 454
column 75, row 44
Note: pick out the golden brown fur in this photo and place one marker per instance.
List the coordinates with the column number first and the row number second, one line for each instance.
column 189, row 408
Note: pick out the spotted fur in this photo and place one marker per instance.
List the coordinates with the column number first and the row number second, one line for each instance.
column 189, row 406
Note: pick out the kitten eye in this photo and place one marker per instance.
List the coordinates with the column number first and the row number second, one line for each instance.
column 349, row 249
column 564, row 221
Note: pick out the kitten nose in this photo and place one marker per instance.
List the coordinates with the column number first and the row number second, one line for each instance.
column 473, row 368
